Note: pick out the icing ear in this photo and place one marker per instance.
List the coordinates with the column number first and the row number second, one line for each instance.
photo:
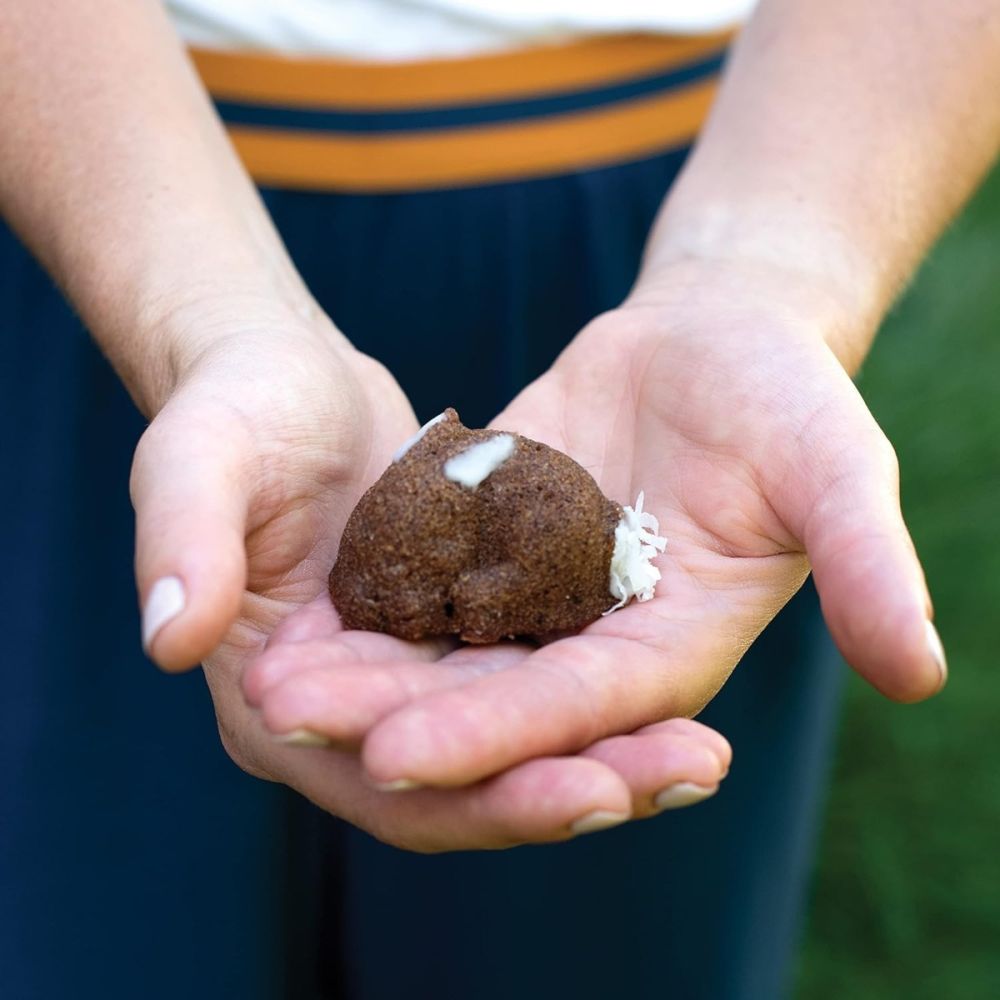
column 411, row 441
column 472, row 466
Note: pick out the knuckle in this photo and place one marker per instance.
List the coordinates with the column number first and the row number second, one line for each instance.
column 886, row 456
column 877, row 446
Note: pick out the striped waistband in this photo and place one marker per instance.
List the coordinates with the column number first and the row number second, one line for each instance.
column 335, row 125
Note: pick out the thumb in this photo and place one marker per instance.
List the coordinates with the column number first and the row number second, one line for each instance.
column 842, row 501
column 189, row 489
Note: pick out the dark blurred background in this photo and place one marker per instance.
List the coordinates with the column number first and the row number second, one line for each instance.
column 906, row 900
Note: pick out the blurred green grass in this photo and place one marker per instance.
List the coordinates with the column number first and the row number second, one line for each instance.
column 906, row 899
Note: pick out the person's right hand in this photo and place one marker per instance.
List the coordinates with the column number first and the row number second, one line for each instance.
column 242, row 485
column 714, row 389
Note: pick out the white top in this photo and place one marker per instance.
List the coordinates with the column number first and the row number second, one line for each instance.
column 393, row 30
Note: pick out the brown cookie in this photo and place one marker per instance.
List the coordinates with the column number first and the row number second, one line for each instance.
column 479, row 534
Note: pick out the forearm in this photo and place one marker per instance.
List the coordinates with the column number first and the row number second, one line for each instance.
column 117, row 174
column 844, row 138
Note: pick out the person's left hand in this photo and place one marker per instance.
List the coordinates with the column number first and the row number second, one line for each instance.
column 718, row 396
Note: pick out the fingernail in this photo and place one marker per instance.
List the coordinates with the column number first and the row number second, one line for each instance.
column 937, row 651
column 399, row 785
column 599, row 819
column 303, row 738
column 684, row 793
column 164, row 603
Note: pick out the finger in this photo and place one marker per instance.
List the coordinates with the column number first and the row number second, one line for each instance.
column 543, row 800
column 710, row 738
column 560, row 699
column 840, row 495
column 340, row 700
column 316, row 620
column 282, row 661
column 190, row 495
column 665, row 766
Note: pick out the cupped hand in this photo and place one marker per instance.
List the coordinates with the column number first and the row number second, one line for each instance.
column 720, row 398
column 242, row 485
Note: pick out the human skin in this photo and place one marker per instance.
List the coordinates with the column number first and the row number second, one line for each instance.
column 719, row 387
column 267, row 424
column 844, row 138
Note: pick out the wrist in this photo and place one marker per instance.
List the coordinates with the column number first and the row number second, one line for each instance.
column 805, row 276
column 191, row 267
column 175, row 340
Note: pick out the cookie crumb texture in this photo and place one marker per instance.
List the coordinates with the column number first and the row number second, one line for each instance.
column 525, row 552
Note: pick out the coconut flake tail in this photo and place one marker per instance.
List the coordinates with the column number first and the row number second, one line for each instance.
column 637, row 544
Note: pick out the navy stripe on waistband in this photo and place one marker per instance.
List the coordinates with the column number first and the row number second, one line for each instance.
column 458, row 116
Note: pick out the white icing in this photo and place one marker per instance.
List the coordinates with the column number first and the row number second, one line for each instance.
column 636, row 545
column 411, row 441
column 472, row 466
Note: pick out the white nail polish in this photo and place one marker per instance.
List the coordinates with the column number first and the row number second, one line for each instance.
column 599, row 819
column 303, row 738
column 937, row 651
column 399, row 785
column 684, row 793
column 165, row 602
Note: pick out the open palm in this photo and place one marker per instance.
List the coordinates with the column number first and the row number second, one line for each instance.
column 753, row 449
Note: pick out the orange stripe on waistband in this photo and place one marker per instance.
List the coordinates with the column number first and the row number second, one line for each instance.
column 487, row 154
column 310, row 82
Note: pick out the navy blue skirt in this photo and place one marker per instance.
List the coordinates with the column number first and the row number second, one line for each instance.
column 137, row 861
